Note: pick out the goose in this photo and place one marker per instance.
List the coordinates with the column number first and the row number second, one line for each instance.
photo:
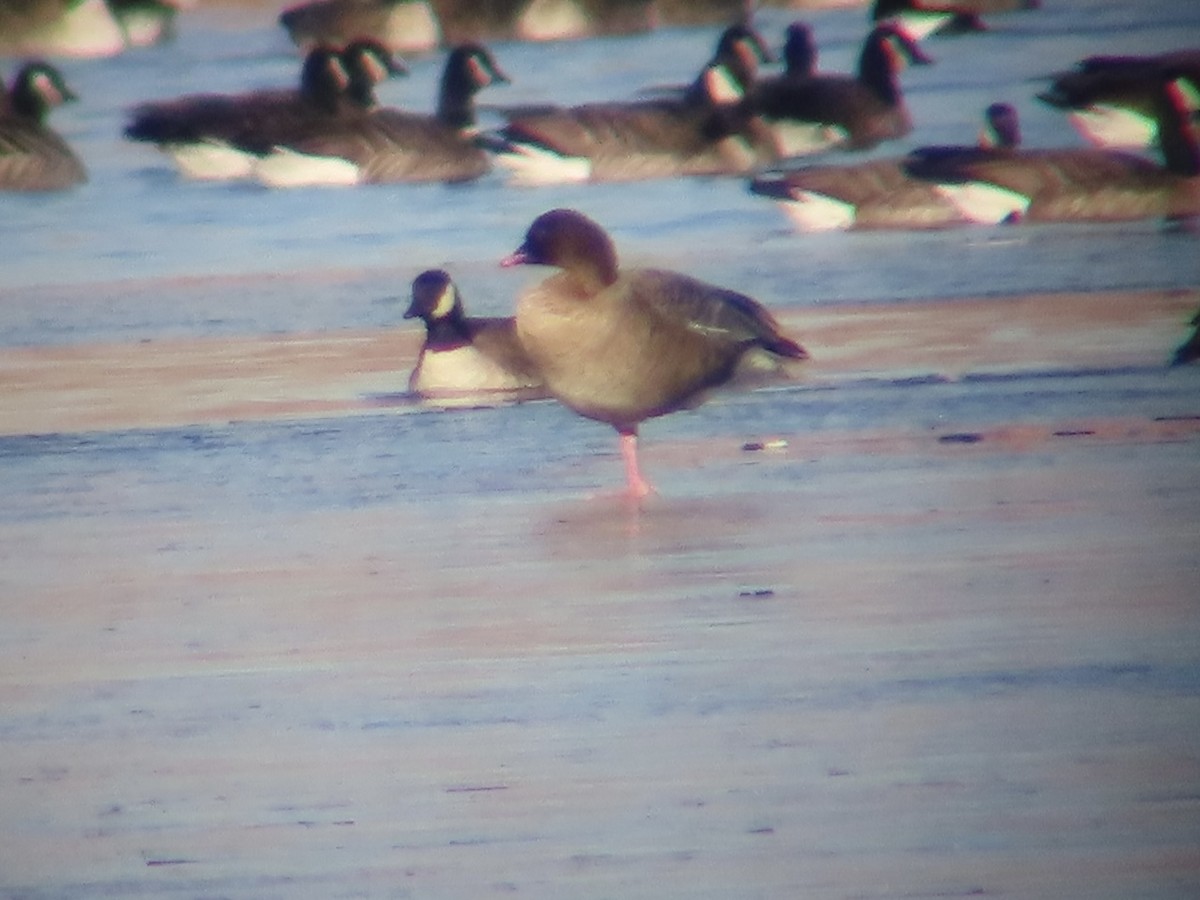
column 1110, row 100
column 403, row 26
column 704, row 131
column 879, row 193
column 392, row 145
column 32, row 156
column 465, row 358
column 842, row 112
column 922, row 18
column 624, row 346
column 1082, row 184
column 740, row 50
column 216, row 136
column 1189, row 350
column 85, row 30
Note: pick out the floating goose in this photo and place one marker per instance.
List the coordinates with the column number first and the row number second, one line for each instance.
column 880, row 193
column 1110, row 100
column 219, row 136
column 392, row 145
column 705, row 131
column 32, row 156
column 1078, row 184
column 842, row 112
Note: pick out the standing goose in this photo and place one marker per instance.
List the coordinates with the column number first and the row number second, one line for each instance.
column 219, row 136
column 1078, row 184
column 705, row 130
column 843, row 112
column 1110, row 100
column 392, row 145
column 880, row 193
column 622, row 347
column 32, row 156
column 465, row 358
column 921, row 18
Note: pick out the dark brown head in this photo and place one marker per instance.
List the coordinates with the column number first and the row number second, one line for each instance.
column 572, row 242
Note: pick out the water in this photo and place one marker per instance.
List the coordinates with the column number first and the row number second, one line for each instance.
column 136, row 222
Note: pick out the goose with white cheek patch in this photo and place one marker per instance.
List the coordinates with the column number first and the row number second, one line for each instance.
column 704, row 130
column 923, row 18
column 33, row 157
column 624, row 346
column 879, row 193
column 1078, row 184
column 840, row 111
column 1110, row 100
column 220, row 136
column 466, row 359
column 393, row 145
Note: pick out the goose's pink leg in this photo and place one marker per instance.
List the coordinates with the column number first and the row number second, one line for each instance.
column 639, row 487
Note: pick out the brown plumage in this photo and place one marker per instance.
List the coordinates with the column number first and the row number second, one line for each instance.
column 845, row 112
column 704, row 129
column 393, row 145
column 1081, row 183
column 879, row 193
column 622, row 347
column 33, row 157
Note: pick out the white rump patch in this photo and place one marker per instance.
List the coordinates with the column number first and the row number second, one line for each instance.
column 985, row 203
column 795, row 138
column 532, row 166
column 920, row 24
column 285, row 168
column 211, row 160
column 1102, row 125
column 810, row 211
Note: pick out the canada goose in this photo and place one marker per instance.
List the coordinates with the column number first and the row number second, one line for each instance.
column 32, row 156
column 622, row 347
column 392, row 145
column 879, row 193
column 217, row 136
column 705, row 130
column 842, row 112
column 465, row 358
column 1080, row 184
column 1110, row 100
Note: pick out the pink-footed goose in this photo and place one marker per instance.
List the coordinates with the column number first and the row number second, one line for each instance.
column 624, row 346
